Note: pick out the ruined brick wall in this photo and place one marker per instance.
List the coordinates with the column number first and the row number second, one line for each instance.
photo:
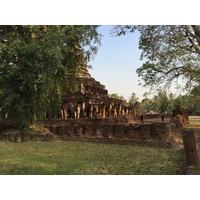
column 2, row 129
column 156, row 134
column 111, row 130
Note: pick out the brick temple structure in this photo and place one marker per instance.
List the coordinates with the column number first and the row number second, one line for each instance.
column 180, row 114
column 91, row 100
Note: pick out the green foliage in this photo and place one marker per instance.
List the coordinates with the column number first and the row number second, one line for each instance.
column 145, row 106
column 191, row 101
column 195, row 101
column 116, row 96
column 35, row 63
column 133, row 99
column 77, row 158
column 171, row 53
column 162, row 102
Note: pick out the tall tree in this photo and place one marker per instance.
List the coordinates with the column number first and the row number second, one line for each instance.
column 162, row 102
column 34, row 64
column 171, row 53
column 145, row 106
column 190, row 101
column 195, row 101
column 133, row 99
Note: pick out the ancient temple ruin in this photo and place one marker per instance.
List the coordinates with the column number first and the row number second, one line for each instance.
column 91, row 100
column 180, row 114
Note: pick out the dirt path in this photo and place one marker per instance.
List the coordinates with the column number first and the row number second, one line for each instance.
column 154, row 120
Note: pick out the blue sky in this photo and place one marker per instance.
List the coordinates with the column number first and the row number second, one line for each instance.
column 116, row 62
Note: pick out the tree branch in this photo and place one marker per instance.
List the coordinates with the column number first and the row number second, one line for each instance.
column 188, row 33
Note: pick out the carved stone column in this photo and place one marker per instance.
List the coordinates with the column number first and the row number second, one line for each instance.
column 115, row 112
column 103, row 111
column 78, row 111
column 65, row 113
column 90, row 110
column 83, row 110
column 61, row 114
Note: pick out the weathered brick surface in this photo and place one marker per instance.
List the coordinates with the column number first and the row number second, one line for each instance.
column 121, row 133
column 53, row 129
column 89, row 130
column 26, row 137
column 111, row 130
column 79, row 131
column 133, row 131
column 61, row 130
column 98, row 130
column 108, row 130
column 160, row 131
column 144, row 132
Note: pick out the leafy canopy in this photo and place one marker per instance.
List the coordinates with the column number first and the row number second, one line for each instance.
column 34, row 64
column 171, row 54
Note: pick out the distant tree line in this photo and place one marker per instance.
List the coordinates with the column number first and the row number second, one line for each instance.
column 171, row 55
column 162, row 102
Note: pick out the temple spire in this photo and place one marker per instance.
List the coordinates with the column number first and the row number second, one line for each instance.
column 83, row 73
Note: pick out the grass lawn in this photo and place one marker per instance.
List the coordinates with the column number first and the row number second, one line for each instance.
column 78, row 158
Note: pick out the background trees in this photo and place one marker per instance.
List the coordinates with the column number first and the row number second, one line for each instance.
column 145, row 106
column 133, row 99
column 171, row 54
column 162, row 102
column 34, row 64
column 116, row 96
column 195, row 101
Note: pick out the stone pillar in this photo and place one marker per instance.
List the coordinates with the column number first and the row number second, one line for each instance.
column 73, row 111
column 120, row 110
column 87, row 109
column 78, row 112
column 123, row 112
column 190, row 149
column 65, row 113
column 83, row 110
column 115, row 111
column 90, row 111
column 75, row 114
column 100, row 111
column 94, row 112
column 109, row 111
column 127, row 113
column 103, row 111
column 61, row 113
